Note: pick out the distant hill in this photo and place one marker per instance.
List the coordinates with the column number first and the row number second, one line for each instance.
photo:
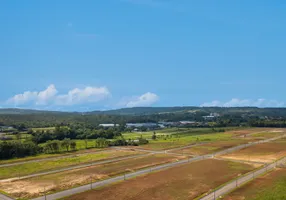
column 9, row 111
column 138, row 111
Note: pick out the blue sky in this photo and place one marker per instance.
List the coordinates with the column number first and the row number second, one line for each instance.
column 105, row 54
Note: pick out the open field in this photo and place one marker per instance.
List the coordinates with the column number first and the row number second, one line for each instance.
column 271, row 186
column 44, row 129
column 192, row 136
column 42, row 166
column 29, row 188
column 182, row 182
column 209, row 148
column 266, row 152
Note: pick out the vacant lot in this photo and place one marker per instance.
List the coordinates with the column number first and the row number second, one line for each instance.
column 266, row 152
column 271, row 186
column 183, row 182
column 210, row 147
column 29, row 188
column 47, row 156
column 42, row 166
column 192, row 136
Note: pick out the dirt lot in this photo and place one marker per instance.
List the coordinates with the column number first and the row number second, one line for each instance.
column 183, row 182
column 32, row 187
column 209, row 147
column 266, row 152
column 269, row 186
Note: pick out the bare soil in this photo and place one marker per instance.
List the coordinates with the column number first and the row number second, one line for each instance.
column 34, row 187
column 266, row 152
column 210, row 147
column 183, row 182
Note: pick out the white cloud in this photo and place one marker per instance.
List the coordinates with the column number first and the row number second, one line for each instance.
column 146, row 99
column 80, row 96
column 245, row 102
column 50, row 96
column 47, row 95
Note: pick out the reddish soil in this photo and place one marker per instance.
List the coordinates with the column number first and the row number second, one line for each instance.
column 183, row 182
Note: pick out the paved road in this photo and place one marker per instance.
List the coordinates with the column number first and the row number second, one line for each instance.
column 51, row 158
column 73, row 167
column 243, row 179
column 145, row 171
column 4, row 197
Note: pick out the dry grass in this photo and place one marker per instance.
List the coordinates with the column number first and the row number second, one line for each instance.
column 271, row 186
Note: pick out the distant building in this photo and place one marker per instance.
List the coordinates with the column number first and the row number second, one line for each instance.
column 138, row 125
column 108, row 125
column 211, row 116
column 187, row 122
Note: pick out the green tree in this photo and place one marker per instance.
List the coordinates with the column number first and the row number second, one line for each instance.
column 73, row 145
column 66, row 144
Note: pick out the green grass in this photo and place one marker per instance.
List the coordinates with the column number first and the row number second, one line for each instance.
column 267, row 134
column 185, row 140
column 42, row 166
column 44, row 129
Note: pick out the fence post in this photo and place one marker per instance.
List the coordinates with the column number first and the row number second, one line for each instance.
column 91, row 182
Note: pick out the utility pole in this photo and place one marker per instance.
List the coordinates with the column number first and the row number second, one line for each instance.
column 45, row 193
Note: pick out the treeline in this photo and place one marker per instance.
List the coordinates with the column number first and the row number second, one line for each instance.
column 269, row 123
column 15, row 149
column 62, row 132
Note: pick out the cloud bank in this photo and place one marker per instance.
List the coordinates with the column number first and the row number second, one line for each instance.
column 146, row 99
column 50, row 96
column 86, row 96
column 245, row 102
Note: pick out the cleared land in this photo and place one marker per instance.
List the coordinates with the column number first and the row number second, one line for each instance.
column 266, row 152
column 182, row 182
column 271, row 186
column 208, row 148
column 42, row 166
column 30, row 188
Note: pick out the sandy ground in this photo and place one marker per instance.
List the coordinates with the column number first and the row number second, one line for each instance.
column 183, row 182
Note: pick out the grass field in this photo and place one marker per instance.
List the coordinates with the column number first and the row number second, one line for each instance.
column 44, row 156
column 271, row 186
column 42, row 166
column 182, row 182
column 44, row 129
column 266, row 152
column 30, row 188
column 195, row 135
